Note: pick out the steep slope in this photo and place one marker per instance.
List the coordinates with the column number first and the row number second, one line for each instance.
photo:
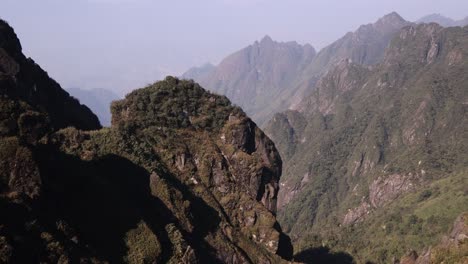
column 257, row 76
column 379, row 152
column 181, row 176
column 98, row 100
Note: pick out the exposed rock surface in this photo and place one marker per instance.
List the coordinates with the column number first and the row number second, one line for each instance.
column 181, row 176
column 382, row 191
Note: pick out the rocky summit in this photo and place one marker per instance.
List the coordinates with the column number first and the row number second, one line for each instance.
column 181, row 176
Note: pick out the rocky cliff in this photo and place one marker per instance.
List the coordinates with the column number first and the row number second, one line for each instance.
column 181, row 176
column 379, row 151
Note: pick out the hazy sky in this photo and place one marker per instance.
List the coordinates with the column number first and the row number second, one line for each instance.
column 124, row 44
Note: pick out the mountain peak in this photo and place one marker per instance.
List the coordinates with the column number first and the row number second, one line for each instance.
column 266, row 39
column 392, row 17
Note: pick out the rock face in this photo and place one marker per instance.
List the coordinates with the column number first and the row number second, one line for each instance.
column 181, row 176
column 370, row 137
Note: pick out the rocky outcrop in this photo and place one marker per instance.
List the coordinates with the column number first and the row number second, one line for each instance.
column 357, row 214
column 384, row 190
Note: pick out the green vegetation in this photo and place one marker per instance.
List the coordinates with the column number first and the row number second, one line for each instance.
column 175, row 104
column 377, row 158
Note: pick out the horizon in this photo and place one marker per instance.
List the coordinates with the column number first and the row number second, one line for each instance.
column 86, row 44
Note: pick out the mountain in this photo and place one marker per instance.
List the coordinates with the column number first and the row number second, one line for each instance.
column 364, row 46
column 374, row 158
column 199, row 72
column 258, row 76
column 437, row 18
column 442, row 20
column 269, row 77
column 98, row 100
column 181, row 176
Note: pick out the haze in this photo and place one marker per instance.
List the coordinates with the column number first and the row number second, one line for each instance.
column 121, row 45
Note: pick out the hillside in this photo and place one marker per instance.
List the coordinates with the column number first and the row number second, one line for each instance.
column 375, row 160
column 181, row 176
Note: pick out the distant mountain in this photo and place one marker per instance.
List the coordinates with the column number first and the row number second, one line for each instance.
column 442, row 20
column 269, row 77
column 98, row 100
column 257, row 76
column 364, row 46
column 199, row 72
column 375, row 160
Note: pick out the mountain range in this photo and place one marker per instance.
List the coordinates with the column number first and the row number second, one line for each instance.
column 367, row 159
column 269, row 77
